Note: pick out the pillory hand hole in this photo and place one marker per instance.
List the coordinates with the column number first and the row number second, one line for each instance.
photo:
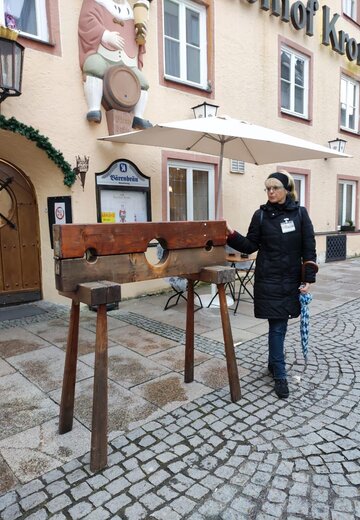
column 91, row 255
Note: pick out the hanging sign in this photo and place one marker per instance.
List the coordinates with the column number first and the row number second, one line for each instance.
column 123, row 173
column 59, row 213
column 123, row 194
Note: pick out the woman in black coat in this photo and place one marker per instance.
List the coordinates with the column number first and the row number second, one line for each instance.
column 282, row 233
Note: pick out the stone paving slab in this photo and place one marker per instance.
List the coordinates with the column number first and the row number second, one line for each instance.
column 23, row 405
column 208, row 458
column 42, row 367
column 140, row 341
column 40, row 449
column 125, row 407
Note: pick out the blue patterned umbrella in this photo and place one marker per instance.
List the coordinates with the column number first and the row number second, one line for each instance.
column 305, row 299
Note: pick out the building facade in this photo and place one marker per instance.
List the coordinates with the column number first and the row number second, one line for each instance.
column 290, row 66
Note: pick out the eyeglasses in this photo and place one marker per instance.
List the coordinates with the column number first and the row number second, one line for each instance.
column 274, row 188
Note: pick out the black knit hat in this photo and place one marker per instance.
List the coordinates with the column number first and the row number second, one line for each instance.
column 284, row 179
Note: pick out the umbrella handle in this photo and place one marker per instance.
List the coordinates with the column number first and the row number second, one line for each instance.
column 314, row 265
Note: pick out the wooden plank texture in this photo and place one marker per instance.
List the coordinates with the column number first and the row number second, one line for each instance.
column 215, row 274
column 73, row 240
column 69, row 378
column 99, row 429
column 98, row 293
column 232, row 369
column 134, row 267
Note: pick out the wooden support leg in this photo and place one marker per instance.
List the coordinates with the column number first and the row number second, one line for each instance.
column 189, row 344
column 98, row 458
column 233, row 374
column 68, row 387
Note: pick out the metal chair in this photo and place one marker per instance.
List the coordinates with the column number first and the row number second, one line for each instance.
column 179, row 285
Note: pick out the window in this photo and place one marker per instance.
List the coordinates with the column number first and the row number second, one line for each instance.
column 191, row 191
column 349, row 8
column 300, row 188
column 349, row 104
column 347, row 192
column 27, row 16
column 294, row 83
column 185, row 42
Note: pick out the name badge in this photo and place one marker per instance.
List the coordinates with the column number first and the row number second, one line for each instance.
column 287, row 226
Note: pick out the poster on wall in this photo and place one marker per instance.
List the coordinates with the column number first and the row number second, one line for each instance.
column 123, row 194
column 59, row 212
column 123, row 206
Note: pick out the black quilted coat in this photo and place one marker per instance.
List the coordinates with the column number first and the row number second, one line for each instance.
column 279, row 258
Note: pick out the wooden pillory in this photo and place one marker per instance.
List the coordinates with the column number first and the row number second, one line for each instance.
column 92, row 260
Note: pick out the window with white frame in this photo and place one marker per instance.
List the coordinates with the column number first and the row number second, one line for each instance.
column 191, row 191
column 349, row 104
column 349, row 8
column 300, row 188
column 294, row 82
column 347, row 197
column 185, row 42
column 27, row 16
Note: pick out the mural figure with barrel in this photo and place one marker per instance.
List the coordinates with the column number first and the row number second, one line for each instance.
column 111, row 46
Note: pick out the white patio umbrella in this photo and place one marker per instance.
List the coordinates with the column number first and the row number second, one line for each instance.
column 223, row 136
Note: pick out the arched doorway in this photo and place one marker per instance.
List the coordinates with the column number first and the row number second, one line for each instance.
column 20, row 279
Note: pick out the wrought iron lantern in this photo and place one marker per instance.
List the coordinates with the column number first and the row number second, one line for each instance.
column 338, row 144
column 11, row 65
column 81, row 168
column 205, row 110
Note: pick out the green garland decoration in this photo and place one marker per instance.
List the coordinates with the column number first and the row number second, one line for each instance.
column 13, row 125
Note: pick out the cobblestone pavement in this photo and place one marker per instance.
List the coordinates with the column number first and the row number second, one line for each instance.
column 261, row 458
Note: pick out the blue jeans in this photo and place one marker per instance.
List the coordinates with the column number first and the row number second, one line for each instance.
column 277, row 331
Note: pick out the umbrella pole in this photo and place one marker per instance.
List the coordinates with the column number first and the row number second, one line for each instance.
column 219, row 187
column 213, row 299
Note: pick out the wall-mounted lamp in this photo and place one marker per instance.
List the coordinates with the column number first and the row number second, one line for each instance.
column 81, row 168
column 11, row 64
column 338, row 144
column 205, row 110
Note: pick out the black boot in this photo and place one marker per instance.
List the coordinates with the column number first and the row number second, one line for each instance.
column 281, row 388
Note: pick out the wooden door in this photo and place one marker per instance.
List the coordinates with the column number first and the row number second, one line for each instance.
column 20, row 279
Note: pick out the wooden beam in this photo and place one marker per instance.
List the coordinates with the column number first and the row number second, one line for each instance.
column 73, row 240
column 69, row 273
column 215, row 274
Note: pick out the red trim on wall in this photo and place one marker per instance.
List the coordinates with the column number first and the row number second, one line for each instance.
column 54, row 44
column 289, row 43
column 166, row 155
column 340, row 177
column 355, row 77
column 306, row 172
column 209, row 5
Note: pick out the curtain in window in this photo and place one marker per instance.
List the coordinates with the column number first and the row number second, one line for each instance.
column 177, row 191
column 172, row 36
column 285, row 80
column 193, row 45
column 21, row 15
column 28, row 17
column 201, row 195
column 299, row 85
column 348, row 203
column 340, row 206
